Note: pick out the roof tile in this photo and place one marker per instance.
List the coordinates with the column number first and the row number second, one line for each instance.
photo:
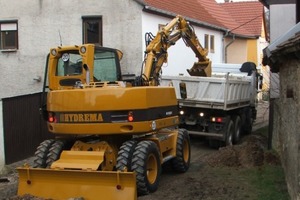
column 243, row 18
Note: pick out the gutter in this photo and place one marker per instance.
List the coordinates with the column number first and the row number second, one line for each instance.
column 226, row 47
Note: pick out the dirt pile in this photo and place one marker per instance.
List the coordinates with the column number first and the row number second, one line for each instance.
column 251, row 152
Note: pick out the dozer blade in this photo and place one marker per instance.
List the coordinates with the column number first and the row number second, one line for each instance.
column 87, row 185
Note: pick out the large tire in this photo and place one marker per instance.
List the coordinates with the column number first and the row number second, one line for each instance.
column 125, row 154
column 40, row 156
column 247, row 126
column 229, row 134
column 54, row 152
column 237, row 129
column 181, row 162
column 146, row 163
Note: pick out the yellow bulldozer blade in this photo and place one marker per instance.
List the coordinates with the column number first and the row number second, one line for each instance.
column 67, row 184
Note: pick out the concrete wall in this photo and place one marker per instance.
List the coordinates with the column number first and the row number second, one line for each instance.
column 40, row 24
column 181, row 57
column 288, row 110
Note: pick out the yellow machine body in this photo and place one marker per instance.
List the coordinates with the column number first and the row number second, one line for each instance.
column 105, row 110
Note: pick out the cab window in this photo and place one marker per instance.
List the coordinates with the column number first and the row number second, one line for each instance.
column 105, row 67
column 70, row 64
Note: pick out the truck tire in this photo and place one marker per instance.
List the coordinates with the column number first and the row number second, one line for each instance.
column 181, row 162
column 125, row 154
column 54, row 152
column 146, row 164
column 40, row 156
column 237, row 129
column 247, row 126
column 229, row 134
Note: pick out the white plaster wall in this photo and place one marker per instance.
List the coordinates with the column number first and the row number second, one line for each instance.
column 2, row 155
column 181, row 57
column 282, row 18
column 40, row 24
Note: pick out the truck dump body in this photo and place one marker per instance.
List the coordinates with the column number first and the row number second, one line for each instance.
column 223, row 91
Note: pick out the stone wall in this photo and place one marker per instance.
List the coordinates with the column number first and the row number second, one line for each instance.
column 286, row 137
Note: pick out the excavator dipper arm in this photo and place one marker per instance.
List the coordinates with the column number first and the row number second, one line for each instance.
column 156, row 51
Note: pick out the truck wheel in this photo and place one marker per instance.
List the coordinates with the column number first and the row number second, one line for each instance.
column 124, row 159
column 181, row 162
column 146, row 164
column 229, row 134
column 41, row 154
column 237, row 129
column 247, row 126
column 54, row 152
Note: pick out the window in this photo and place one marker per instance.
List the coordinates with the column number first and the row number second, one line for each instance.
column 9, row 35
column 69, row 64
column 209, row 43
column 92, row 30
column 206, row 40
column 212, row 43
column 105, row 67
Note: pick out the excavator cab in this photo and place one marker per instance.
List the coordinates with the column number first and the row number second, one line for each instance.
column 74, row 66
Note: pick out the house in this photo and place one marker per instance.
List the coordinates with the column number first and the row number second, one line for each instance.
column 29, row 29
column 282, row 56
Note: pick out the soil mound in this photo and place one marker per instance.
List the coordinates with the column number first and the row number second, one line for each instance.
column 250, row 152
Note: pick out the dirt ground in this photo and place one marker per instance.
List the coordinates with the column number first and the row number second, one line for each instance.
column 212, row 173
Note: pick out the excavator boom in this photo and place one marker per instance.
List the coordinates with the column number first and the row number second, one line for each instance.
column 156, row 51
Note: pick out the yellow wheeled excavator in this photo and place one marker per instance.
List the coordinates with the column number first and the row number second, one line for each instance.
column 113, row 133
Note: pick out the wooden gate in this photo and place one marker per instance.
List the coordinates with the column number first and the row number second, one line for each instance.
column 24, row 127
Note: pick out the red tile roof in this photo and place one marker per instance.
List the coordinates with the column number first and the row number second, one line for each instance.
column 249, row 16
column 242, row 18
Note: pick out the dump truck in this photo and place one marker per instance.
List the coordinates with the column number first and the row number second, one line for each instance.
column 113, row 132
column 222, row 107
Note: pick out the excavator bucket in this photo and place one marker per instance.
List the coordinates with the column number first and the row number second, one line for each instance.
column 81, row 184
column 200, row 69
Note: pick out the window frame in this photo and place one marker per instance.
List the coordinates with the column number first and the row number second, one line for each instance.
column 206, row 41
column 212, row 43
column 3, row 46
column 85, row 20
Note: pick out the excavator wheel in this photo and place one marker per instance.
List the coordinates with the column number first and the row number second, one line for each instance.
column 181, row 162
column 124, row 159
column 146, row 164
column 55, row 151
column 41, row 154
